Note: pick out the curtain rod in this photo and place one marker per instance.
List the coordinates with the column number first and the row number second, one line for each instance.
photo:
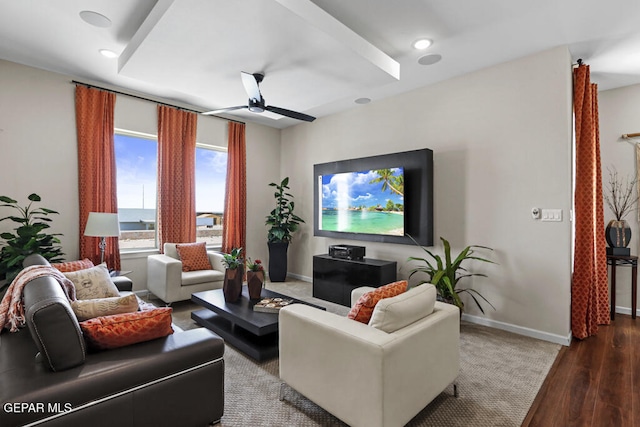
column 630, row 135
column 150, row 100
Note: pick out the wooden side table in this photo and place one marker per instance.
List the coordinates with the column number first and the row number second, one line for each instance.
column 614, row 261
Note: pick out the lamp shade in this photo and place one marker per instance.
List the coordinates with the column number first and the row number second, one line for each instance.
column 101, row 224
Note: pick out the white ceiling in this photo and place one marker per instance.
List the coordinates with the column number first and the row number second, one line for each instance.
column 318, row 56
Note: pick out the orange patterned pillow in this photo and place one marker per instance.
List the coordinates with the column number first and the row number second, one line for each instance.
column 69, row 266
column 363, row 308
column 119, row 330
column 193, row 256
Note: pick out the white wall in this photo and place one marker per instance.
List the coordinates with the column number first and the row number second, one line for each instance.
column 619, row 111
column 38, row 149
column 38, row 146
column 502, row 144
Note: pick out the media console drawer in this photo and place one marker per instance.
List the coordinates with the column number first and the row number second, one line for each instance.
column 335, row 278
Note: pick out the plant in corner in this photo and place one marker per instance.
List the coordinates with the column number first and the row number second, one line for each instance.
column 28, row 237
column 282, row 224
column 446, row 274
column 232, row 285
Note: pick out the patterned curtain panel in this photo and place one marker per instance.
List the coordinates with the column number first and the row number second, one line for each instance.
column 176, row 175
column 234, row 229
column 96, row 167
column 589, row 291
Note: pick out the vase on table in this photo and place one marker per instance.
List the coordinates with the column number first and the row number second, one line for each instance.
column 255, row 281
column 232, row 285
column 618, row 237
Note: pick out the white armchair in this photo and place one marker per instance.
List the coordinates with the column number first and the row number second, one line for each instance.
column 364, row 375
column 167, row 281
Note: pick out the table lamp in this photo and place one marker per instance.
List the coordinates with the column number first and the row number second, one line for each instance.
column 103, row 225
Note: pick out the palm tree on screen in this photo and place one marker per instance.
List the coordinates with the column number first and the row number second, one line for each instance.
column 389, row 181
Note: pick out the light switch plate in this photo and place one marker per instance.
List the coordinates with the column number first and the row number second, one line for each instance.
column 554, row 215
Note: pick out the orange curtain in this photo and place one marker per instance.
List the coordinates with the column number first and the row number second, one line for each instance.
column 176, row 175
column 590, row 290
column 96, row 168
column 234, row 229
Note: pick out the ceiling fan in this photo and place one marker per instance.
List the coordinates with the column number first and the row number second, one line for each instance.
column 256, row 101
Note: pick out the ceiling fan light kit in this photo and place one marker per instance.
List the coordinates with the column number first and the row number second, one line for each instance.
column 256, row 102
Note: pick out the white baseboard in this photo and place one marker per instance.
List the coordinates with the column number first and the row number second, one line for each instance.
column 626, row 310
column 300, row 277
column 521, row 330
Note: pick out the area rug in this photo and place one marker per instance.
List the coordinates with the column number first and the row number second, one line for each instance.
column 500, row 375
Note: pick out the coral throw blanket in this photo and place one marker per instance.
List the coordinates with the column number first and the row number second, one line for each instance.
column 12, row 305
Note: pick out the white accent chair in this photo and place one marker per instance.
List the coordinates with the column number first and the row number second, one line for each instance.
column 363, row 375
column 167, row 281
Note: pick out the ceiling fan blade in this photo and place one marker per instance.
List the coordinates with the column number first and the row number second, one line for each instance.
column 289, row 113
column 250, row 84
column 224, row 110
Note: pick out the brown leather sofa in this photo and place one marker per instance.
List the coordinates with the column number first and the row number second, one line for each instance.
column 48, row 378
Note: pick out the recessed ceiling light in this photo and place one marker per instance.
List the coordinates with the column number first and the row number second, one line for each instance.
column 422, row 44
column 95, row 19
column 430, row 59
column 108, row 53
column 362, row 101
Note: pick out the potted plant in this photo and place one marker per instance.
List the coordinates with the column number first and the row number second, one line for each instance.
column 255, row 278
column 282, row 223
column 620, row 198
column 28, row 237
column 232, row 285
column 446, row 274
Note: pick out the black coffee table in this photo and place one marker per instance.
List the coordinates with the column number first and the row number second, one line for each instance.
column 253, row 333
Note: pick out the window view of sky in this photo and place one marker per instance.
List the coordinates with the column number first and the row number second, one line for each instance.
column 136, row 164
column 211, row 174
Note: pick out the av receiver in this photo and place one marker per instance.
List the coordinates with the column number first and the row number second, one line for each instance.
column 347, row 252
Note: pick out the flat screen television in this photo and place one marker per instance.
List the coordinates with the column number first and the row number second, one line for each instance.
column 370, row 201
column 380, row 198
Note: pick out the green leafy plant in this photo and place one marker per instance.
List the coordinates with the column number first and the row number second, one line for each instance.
column 254, row 265
column 282, row 221
column 28, row 237
column 446, row 274
column 233, row 260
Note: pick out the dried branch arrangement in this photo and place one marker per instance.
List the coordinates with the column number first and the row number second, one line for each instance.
column 619, row 194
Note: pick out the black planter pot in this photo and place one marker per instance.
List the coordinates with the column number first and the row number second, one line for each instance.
column 618, row 235
column 278, row 261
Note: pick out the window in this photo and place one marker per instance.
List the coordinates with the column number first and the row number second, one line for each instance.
column 136, row 165
column 211, row 175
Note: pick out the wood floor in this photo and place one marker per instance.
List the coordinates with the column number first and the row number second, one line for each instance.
column 594, row 382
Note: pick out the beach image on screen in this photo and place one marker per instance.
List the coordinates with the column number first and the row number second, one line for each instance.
column 363, row 202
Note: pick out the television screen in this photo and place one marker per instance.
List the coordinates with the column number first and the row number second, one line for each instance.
column 384, row 198
column 369, row 201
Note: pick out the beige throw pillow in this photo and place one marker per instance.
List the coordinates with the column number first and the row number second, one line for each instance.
column 93, row 283
column 90, row 308
column 391, row 314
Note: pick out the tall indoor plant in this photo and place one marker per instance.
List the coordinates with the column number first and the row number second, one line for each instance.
column 620, row 198
column 282, row 223
column 446, row 274
column 29, row 237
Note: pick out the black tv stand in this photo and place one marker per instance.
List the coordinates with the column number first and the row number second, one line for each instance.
column 335, row 278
